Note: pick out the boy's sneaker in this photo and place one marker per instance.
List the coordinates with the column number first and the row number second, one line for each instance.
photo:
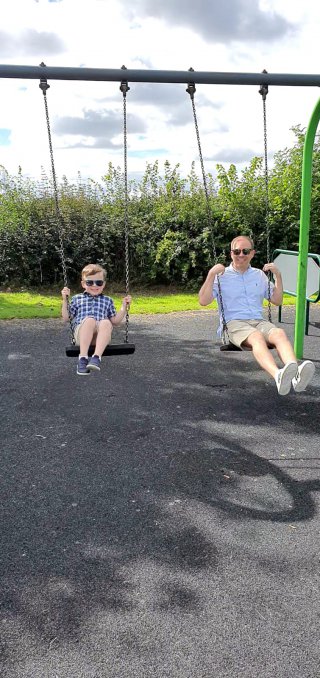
column 304, row 375
column 285, row 376
column 94, row 364
column 82, row 367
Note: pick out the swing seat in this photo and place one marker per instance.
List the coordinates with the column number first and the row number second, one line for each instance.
column 113, row 349
column 230, row 347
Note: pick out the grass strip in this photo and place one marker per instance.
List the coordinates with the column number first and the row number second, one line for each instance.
column 30, row 305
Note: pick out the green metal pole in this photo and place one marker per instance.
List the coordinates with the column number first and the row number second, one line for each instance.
column 304, row 231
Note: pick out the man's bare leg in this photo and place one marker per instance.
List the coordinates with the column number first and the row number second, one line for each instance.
column 281, row 343
column 284, row 376
column 261, row 352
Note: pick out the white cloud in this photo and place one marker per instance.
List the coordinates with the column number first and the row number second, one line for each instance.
column 217, row 21
column 29, row 43
column 238, row 36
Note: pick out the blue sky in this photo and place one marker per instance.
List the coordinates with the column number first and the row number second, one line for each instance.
column 5, row 137
column 237, row 36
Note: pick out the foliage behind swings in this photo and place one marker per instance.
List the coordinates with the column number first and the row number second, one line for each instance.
column 170, row 237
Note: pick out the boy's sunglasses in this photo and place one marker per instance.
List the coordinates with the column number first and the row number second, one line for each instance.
column 90, row 283
column 245, row 250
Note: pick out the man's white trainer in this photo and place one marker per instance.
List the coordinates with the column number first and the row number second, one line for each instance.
column 304, row 375
column 284, row 377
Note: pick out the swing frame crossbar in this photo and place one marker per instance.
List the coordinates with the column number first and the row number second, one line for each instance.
column 211, row 78
column 159, row 76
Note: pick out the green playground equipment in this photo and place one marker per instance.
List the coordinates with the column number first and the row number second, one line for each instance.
column 304, row 230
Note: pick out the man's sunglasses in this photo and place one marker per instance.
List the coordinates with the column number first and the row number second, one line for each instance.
column 245, row 250
column 90, row 283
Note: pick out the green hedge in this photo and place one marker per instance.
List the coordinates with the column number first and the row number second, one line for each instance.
column 171, row 229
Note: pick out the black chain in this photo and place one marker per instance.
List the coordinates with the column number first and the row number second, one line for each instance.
column 264, row 91
column 191, row 89
column 124, row 88
column 60, row 224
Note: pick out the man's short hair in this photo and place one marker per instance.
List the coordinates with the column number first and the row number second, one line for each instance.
column 92, row 269
column 242, row 236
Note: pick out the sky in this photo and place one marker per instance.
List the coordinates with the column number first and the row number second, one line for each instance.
column 281, row 36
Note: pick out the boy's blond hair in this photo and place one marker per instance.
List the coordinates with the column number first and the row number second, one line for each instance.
column 92, row 269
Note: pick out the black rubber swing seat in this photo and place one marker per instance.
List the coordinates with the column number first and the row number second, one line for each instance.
column 229, row 347
column 113, row 349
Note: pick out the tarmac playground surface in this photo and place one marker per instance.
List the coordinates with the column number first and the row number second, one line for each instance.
column 159, row 519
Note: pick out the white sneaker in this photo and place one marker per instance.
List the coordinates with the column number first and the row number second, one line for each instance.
column 284, row 378
column 304, row 375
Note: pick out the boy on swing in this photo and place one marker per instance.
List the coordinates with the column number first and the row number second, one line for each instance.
column 93, row 316
column 243, row 289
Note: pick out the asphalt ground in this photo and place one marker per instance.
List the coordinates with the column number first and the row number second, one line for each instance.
column 159, row 519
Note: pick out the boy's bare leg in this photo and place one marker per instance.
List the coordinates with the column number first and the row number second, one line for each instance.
column 86, row 333
column 103, row 336
column 281, row 343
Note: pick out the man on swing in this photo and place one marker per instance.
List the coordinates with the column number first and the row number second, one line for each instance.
column 243, row 289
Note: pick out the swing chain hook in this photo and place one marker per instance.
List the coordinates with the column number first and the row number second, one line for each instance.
column 124, row 87
column 43, row 81
column 264, row 89
column 191, row 89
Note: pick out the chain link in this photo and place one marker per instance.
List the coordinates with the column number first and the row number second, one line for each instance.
column 59, row 219
column 191, row 89
column 124, row 88
column 264, row 91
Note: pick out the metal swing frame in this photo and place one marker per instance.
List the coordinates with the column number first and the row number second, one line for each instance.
column 73, row 350
column 227, row 345
column 83, row 74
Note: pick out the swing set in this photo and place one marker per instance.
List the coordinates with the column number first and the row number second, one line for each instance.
column 263, row 79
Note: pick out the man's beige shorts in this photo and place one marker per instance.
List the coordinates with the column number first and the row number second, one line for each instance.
column 240, row 330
